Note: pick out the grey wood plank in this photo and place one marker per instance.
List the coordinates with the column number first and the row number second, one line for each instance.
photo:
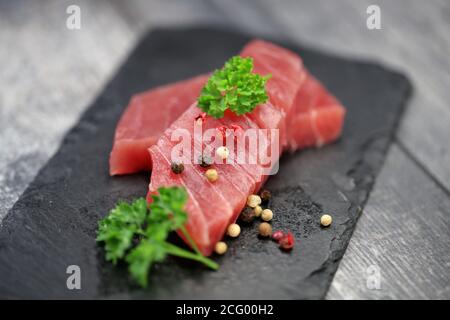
column 404, row 233
column 54, row 73
column 49, row 75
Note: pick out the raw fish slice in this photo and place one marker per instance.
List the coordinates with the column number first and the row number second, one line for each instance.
column 196, row 224
column 215, row 207
column 145, row 119
column 317, row 117
column 285, row 67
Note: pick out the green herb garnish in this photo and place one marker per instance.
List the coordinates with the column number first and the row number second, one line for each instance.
column 138, row 233
column 233, row 87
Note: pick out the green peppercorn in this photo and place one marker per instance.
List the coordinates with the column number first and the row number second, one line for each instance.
column 205, row 161
column 247, row 215
column 177, row 168
column 265, row 196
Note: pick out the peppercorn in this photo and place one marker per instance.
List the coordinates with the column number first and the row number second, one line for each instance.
column 200, row 118
column 220, row 247
column 277, row 235
column 223, row 152
column 205, row 161
column 222, row 130
column 265, row 196
column 212, row 175
column 236, row 128
column 233, row 230
column 247, row 215
column 287, row 241
column 253, row 200
column 258, row 211
column 265, row 229
column 326, row 220
column 177, row 168
column 267, row 215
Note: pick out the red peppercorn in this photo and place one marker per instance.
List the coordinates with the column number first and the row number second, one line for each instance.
column 277, row 235
column 287, row 242
column 236, row 128
column 222, row 130
column 201, row 117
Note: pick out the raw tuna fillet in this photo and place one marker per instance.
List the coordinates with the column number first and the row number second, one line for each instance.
column 287, row 73
column 220, row 202
column 314, row 118
column 145, row 119
column 299, row 106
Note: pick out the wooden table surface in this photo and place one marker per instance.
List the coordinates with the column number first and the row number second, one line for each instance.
column 50, row 74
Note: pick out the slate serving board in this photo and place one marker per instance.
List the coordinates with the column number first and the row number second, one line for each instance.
column 54, row 222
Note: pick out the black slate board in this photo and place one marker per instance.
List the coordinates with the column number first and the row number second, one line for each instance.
column 54, row 222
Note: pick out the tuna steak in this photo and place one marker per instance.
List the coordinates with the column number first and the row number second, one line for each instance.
column 220, row 202
column 315, row 118
column 145, row 119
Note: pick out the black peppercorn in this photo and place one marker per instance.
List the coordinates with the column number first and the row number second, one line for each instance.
column 265, row 196
column 177, row 168
column 247, row 215
column 205, row 161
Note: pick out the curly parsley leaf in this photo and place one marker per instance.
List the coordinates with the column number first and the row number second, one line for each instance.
column 233, row 87
column 127, row 224
column 119, row 228
column 141, row 258
column 168, row 205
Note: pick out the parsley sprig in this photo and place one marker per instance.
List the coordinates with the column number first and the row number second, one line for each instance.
column 138, row 233
column 233, row 87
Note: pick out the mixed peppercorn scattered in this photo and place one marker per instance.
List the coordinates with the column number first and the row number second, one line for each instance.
column 326, row 220
column 286, row 242
column 254, row 210
column 267, row 215
column 254, row 207
column 200, row 118
column 205, row 161
column 212, row 175
column 177, row 168
column 221, row 247
column 265, row 196
column 265, row 229
column 247, row 215
column 234, row 230
column 253, row 200
column 223, row 152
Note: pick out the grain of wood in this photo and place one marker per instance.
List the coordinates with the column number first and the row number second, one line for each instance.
column 404, row 234
column 49, row 76
column 53, row 73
